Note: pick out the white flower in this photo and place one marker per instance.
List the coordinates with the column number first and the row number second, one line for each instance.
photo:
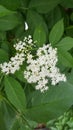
column 5, row 68
column 22, row 46
column 42, row 85
column 29, row 57
column 16, row 61
column 39, row 70
column 13, row 65
column 43, row 68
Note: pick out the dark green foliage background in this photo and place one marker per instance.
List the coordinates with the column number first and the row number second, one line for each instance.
column 21, row 107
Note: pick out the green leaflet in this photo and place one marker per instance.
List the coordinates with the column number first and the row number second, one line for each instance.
column 10, row 21
column 5, row 46
column 67, row 3
column 3, row 56
column 15, row 93
column 39, row 36
column 2, row 36
column 54, row 16
column 35, row 20
column 65, row 44
column 7, row 116
column 43, row 6
column 10, row 4
column 56, row 32
column 4, row 11
column 65, row 58
column 50, row 104
column 20, row 75
column 15, row 125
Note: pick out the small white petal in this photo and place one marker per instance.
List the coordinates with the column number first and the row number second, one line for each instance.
column 26, row 26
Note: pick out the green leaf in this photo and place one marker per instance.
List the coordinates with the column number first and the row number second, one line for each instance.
column 69, row 31
column 24, row 5
column 2, row 36
column 65, row 58
column 7, row 116
column 15, row 125
column 56, row 32
column 65, row 44
column 5, row 46
column 2, row 121
column 9, row 22
column 24, row 127
column 19, row 124
column 51, row 104
column 10, row 4
column 39, row 36
column 54, row 16
column 67, row 3
column 19, row 31
column 70, row 77
column 34, row 20
column 15, row 93
column 3, row 56
column 1, row 98
column 44, row 6
column 4, row 11
column 20, row 75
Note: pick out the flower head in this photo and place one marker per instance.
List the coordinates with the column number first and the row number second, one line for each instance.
column 43, row 68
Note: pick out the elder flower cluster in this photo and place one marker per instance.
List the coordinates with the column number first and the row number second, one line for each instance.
column 43, row 68
column 15, row 62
